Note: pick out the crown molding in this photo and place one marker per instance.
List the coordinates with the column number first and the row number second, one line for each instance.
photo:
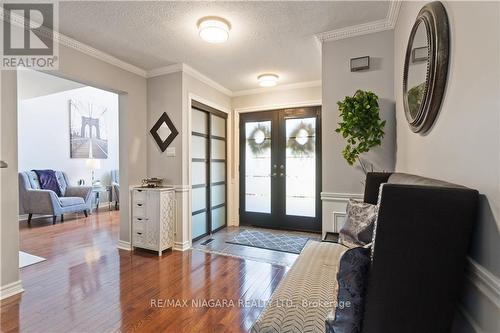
column 165, row 70
column 89, row 50
column 205, row 79
column 388, row 23
column 69, row 42
column 291, row 86
column 182, row 67
column 393, row 13
column 267, row 107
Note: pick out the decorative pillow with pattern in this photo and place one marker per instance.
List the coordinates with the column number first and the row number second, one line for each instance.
column 352, row 278
column 358, row 227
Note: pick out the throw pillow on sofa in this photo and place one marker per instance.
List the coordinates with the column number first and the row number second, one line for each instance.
column 352, row 278
column 358, row 227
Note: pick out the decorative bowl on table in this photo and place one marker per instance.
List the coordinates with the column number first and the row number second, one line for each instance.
column 152, row 182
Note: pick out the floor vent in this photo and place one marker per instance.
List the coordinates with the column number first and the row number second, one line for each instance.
column 208, row 241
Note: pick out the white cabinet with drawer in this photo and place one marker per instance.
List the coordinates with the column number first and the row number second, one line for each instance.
column 153, row 218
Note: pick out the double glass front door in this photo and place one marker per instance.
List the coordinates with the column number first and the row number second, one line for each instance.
column 280, row 163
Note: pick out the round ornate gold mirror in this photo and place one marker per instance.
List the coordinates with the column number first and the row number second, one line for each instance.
column 426, row 67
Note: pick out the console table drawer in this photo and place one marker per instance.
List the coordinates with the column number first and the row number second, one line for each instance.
column 138, row 238
column 139, row 210
column 139, row 196
column 139, row 224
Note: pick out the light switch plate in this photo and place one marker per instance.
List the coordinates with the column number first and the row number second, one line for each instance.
column 171, row 151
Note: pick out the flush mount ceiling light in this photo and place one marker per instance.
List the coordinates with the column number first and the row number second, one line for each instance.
column 213, row 29
column 268, row 80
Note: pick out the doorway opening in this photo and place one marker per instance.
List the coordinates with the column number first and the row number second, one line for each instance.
column 280, row 169
column 68, row 157
column 208, row 170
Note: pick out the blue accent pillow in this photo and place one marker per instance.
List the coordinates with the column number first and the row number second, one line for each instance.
column 352, row 278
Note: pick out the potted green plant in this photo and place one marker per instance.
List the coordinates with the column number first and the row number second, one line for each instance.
column 360, row 125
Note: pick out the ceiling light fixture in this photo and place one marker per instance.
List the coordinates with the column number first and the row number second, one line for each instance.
column 213, row 29
column 268, row 80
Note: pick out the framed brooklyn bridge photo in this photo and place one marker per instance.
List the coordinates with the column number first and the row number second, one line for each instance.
column 88, row 134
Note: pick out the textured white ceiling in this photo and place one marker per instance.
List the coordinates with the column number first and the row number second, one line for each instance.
column 265, row 36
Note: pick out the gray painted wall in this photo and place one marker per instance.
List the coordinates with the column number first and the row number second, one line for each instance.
column 132, row 122
column 338, row 82
column 9, row 203
column 278, row 97
column 170, row 93
column 165, row 95
column 464, row 144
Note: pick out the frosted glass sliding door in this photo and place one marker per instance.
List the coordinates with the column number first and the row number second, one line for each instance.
column 208, row 170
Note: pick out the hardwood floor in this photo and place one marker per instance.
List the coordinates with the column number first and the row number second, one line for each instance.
column 88, row 285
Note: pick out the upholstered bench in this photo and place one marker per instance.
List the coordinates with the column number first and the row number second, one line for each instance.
column 420, row 242
column 306, row 294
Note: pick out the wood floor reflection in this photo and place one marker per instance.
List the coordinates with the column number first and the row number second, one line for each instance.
column 87, row 285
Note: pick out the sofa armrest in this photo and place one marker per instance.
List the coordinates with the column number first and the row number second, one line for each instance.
column 42, row 202
column 372, row 185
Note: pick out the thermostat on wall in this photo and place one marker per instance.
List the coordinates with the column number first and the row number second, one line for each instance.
column 359, row 64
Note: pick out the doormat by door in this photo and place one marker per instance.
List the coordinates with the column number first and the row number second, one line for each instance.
column 270, row 241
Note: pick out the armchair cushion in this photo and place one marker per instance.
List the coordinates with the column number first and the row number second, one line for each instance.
column 62, row 181
column 71, row 201
column 33, row 180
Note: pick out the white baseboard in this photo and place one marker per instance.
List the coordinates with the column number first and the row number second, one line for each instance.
column 178, row 246
column 24, row 217
column 484, row 280
column 11, row 289
column 340, row 197
column 472, row 322
column 124, row 245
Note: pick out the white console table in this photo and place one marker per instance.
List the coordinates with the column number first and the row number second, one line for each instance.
column 153, row 218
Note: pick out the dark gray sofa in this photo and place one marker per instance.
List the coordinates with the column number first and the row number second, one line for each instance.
column 422, row 237
column 421, row 240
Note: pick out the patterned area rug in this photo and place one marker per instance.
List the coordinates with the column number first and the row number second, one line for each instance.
column 270, row 241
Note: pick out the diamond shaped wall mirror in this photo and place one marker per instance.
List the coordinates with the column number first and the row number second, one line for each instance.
column 164, row 132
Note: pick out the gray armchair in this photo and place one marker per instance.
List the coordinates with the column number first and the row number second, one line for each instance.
column 34, row 200
column 115, row 187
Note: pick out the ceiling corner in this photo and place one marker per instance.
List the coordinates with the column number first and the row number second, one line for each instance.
column 363, row 29
column 393, row 13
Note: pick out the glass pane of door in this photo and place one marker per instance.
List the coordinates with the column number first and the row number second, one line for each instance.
column 300, row 165
column 199, row 163
column 258, row 167
column 218, row 175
